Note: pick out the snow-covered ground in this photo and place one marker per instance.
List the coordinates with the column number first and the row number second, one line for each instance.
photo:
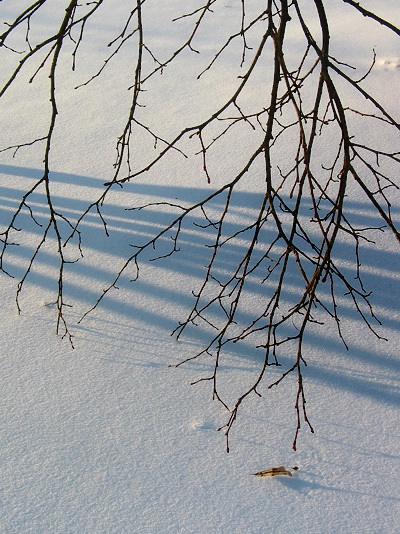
column 107, row 438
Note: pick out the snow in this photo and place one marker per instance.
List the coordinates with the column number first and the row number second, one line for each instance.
column 108, row 438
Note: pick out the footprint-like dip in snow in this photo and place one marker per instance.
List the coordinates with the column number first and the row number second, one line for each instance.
column 390, row 63
column 203, row 425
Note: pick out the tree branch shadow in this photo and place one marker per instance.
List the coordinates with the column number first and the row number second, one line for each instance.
column 127, row 228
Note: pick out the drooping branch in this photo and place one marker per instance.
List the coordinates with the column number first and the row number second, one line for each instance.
column 288, row 243
column 373, row 16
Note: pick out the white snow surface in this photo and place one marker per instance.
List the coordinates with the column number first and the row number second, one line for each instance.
column 107, row 438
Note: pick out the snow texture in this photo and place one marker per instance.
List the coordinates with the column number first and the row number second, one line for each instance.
column 107, row 438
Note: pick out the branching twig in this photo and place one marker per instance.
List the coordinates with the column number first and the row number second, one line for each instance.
column 287, row 246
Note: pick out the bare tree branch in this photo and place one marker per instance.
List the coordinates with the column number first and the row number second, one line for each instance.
column 292, row 237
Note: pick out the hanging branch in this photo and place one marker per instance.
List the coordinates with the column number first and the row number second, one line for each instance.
column 291, row 238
